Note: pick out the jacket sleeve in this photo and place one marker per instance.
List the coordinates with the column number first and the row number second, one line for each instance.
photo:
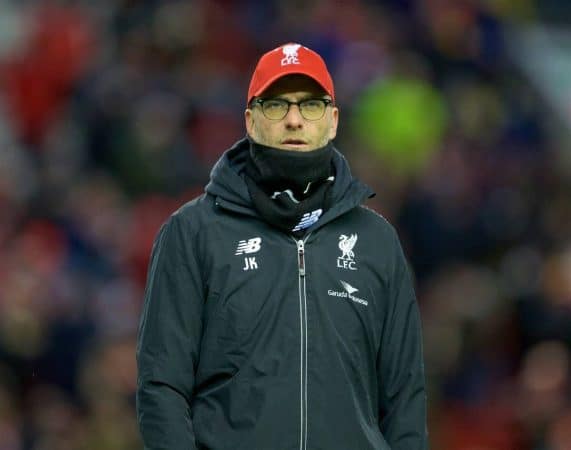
column 169, row 340
column 400, row 364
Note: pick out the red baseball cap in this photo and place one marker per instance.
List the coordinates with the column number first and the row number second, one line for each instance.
column 285, row 60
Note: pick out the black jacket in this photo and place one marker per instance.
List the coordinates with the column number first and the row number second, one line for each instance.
column 251, row 340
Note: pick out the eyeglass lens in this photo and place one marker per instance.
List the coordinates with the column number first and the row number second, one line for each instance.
column 311, row 109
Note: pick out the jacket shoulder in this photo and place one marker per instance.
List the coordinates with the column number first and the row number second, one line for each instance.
column 376, row 220
column 188, row 219
column 195, row 210
column 184, row 227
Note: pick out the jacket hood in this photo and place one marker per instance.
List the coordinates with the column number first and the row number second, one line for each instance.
column 228, row 186
column 226, row 181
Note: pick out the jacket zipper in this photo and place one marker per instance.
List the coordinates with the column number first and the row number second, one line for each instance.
column 303, row 342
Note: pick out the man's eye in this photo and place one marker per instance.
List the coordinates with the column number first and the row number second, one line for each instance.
column 273, row 104
column 312, row 104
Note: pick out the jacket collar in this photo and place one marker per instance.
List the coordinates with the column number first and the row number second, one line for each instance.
column 228, row 187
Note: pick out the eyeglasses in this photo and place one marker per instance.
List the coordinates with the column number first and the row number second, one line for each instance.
column 277, row 108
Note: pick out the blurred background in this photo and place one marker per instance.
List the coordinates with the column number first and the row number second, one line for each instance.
column 457, row 113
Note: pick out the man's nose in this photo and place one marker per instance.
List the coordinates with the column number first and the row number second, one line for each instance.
column 293, row 118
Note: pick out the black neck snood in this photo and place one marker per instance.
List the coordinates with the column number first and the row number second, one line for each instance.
column 290, row 189
column 274, row 169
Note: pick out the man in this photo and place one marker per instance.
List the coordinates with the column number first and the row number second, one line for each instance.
column 279, row 312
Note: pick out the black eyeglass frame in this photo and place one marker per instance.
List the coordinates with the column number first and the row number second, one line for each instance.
column 260, row 101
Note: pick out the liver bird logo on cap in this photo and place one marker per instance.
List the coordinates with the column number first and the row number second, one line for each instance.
column 290, row 54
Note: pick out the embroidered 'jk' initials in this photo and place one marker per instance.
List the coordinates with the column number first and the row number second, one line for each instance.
column 250, row 263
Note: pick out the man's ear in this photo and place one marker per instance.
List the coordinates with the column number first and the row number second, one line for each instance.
column 334, row 123
column 249, row 120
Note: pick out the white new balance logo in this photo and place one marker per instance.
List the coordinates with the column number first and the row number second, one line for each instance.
column 250, row 246
column 308, row 219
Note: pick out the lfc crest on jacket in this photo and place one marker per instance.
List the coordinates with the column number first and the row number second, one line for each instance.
column 347, row 258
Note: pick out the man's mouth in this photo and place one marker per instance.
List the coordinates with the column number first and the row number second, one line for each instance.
column 294, row 142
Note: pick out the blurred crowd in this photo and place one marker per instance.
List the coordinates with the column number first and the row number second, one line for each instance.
column 112, row 113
